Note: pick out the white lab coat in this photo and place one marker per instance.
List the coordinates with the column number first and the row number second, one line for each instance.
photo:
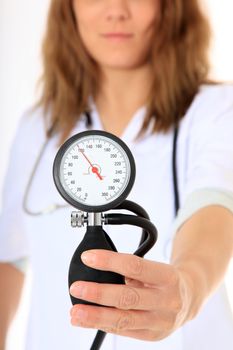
column 205, row 160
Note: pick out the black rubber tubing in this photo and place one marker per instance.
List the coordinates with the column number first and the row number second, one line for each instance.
column 124, row 219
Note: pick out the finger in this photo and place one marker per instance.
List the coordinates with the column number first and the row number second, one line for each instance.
column 120, row 320
column 122, row 296
column 131, row 266
column 141, row 334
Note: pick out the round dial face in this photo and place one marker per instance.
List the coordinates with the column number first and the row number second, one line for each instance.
column 94, row 171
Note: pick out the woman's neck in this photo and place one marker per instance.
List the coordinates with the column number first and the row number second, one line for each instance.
column 121, row 94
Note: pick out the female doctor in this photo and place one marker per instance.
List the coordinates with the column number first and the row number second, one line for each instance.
column 140, row 69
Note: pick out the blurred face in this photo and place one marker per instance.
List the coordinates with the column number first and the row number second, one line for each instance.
column 117, row 33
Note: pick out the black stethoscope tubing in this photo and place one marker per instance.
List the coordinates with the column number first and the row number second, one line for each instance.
column 174, row 170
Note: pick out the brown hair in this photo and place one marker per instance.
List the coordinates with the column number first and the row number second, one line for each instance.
column 179, row 58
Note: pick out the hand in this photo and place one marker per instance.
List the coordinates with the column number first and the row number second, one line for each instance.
column 154, row 302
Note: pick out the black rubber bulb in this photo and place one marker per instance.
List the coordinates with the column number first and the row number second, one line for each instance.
column 95, row 238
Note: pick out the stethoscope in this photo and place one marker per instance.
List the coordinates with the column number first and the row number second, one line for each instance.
column 94, row 171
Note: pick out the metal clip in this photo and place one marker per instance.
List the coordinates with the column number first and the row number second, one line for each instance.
column 77, row 218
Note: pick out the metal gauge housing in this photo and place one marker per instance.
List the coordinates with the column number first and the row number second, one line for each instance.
column 94, row 171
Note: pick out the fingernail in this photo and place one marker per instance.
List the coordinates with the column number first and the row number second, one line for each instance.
column 76, row 290
column 88, row 258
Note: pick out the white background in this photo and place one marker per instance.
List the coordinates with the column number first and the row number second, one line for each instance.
column 22, row 25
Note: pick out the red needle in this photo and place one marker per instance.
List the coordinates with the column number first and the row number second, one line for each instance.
column 94, row 169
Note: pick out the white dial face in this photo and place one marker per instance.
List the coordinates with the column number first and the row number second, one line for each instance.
column 95, row 170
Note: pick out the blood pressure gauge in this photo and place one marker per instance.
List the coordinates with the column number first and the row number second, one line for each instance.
column 94, row 171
